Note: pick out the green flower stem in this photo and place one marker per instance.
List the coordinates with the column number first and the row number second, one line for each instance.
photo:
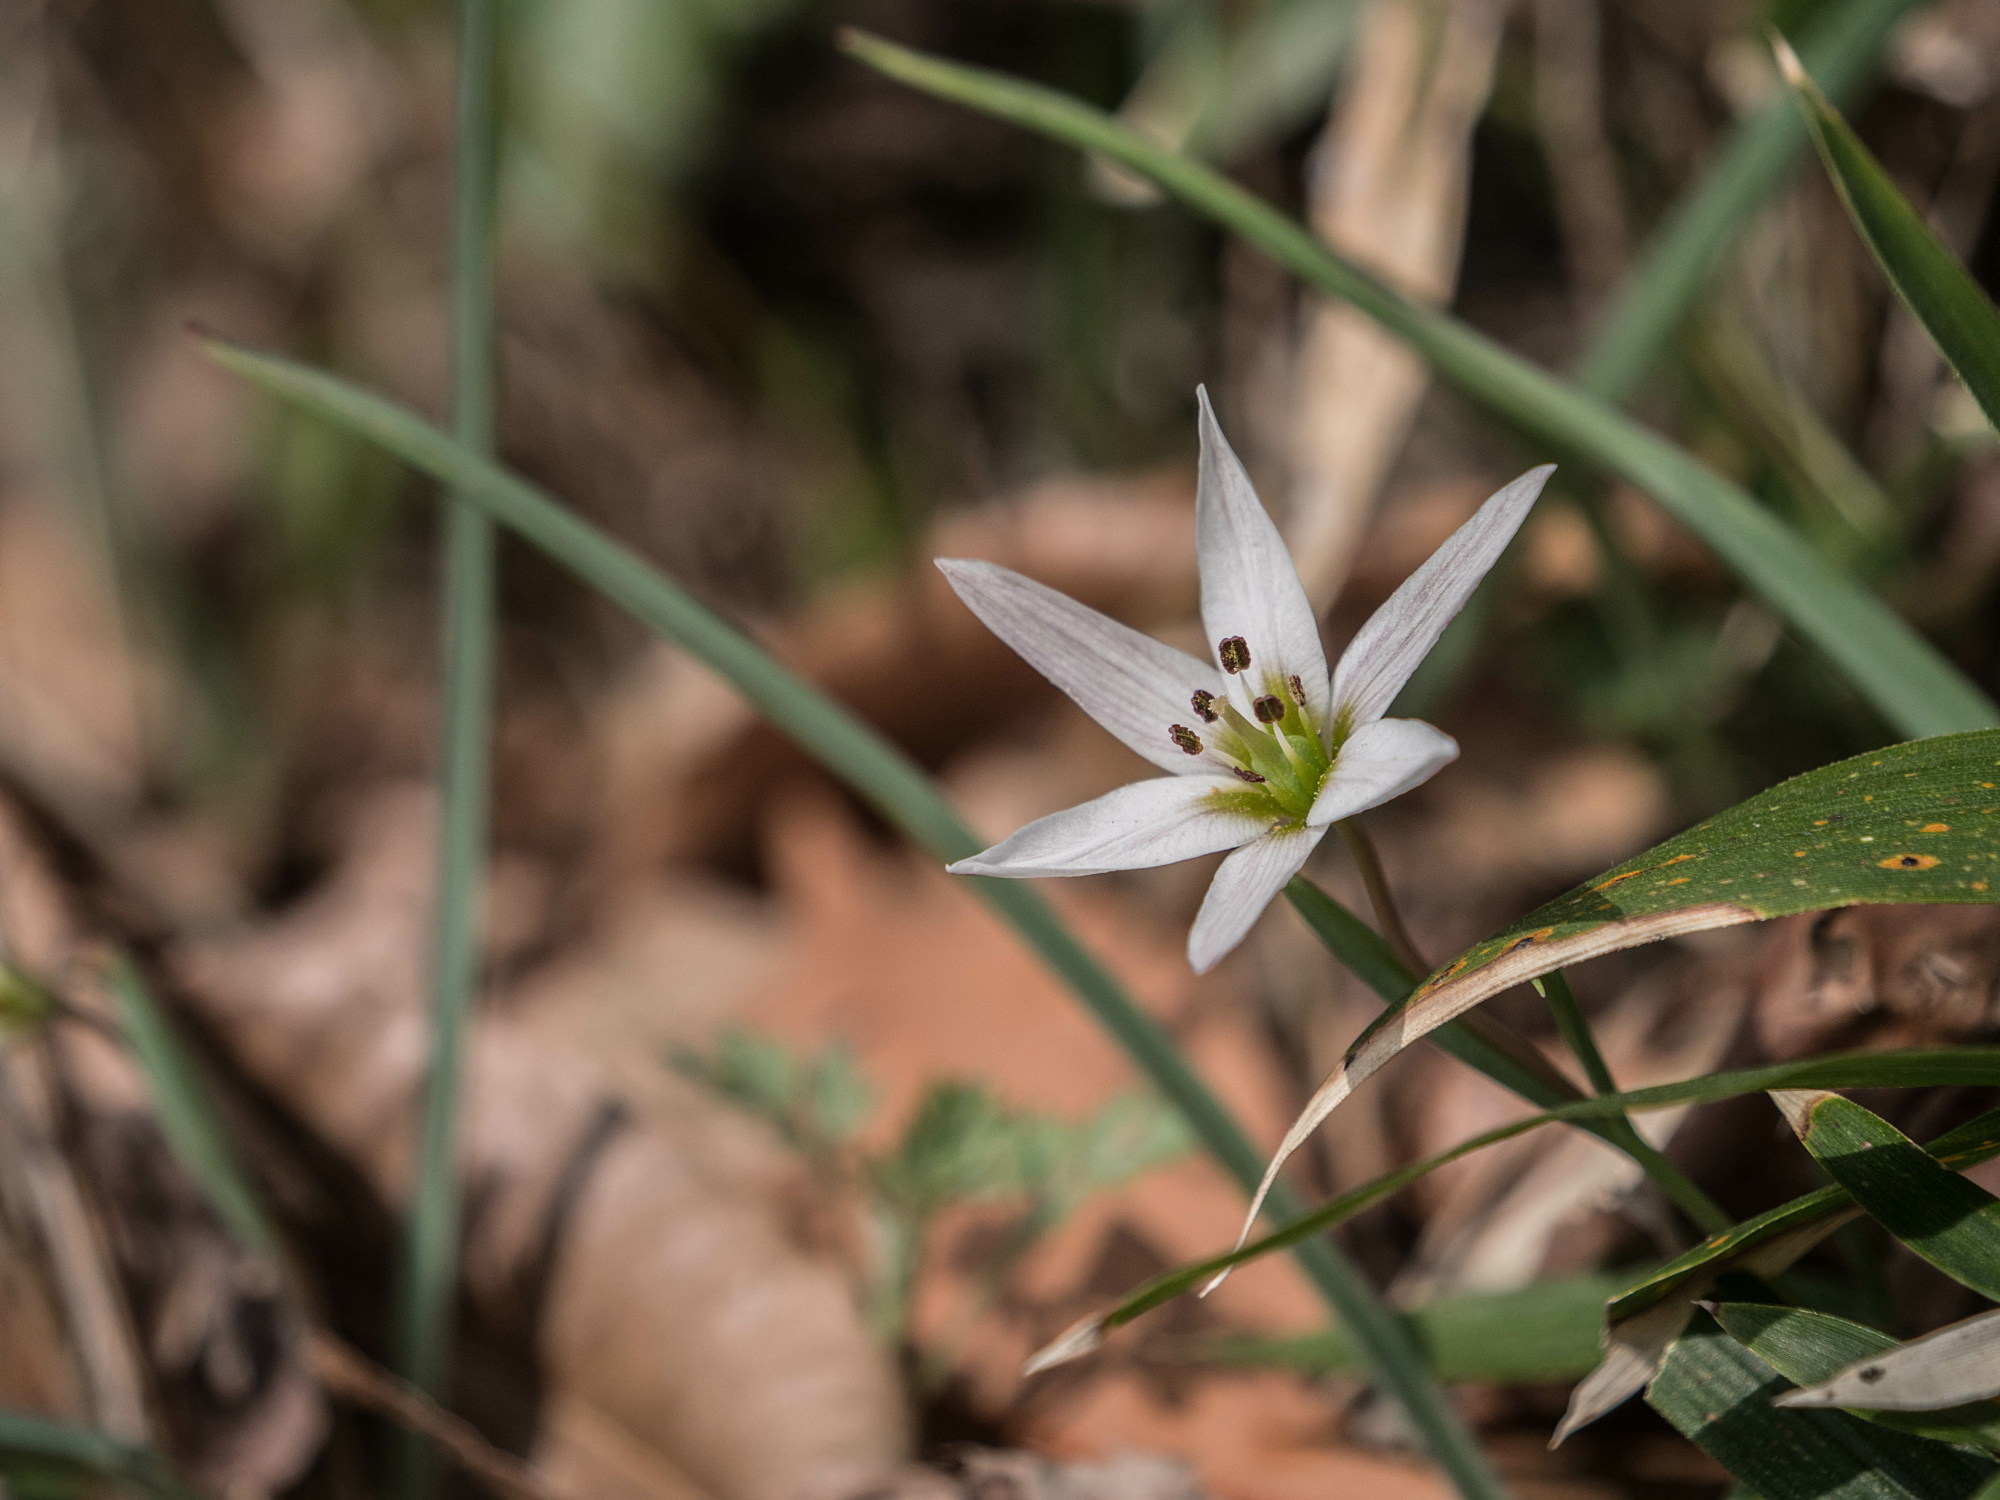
column 429, row 1278
column 1681, row 1189
column 1906, row 679
column 900, row 791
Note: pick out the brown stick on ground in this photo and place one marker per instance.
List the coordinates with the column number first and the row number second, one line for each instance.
column 347, row 1374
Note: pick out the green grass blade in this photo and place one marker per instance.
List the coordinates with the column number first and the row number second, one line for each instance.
column 1906, row 679
column 1501, row 1055
column 1363, row 950
column 1960, row 318
column 901, row 792
column 1951, row 1222
column 1921, row 1068
column 41, row 1448
column 1908, row 823
column 1964, row 1146
column 1809, row 1347
column 1841, row 48
column 1544, row 1332
column 429, row 1279
column 1718, row 1394
column 181, row 1096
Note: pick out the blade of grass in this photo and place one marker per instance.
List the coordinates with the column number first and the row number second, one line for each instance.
column 900, row 791
column 430, row 1249
column 1841, row 48
column 1718, row 1394
column 1960, row 318
column 1680, row 1189
column 1901, row 674
column 1949, row 1220
column 1478, row 1041
column 66, row 1446
column 1917, row 1068
column 181, row 1096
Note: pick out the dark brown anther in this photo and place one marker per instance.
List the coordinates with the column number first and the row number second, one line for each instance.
column 1203, row 703
column 1243, row 775
column 1234, row 653
column 1269, row 709
column 1298, row 691
column 1186, row 738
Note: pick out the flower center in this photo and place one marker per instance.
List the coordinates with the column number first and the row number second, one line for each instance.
column 1281, row 758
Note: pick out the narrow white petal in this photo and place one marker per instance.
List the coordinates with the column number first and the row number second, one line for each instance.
column 1242, row 888
column 1148, row 823
column 1379, row 761
column 1135, row 686
column 1248, row 584
column 1399, row 635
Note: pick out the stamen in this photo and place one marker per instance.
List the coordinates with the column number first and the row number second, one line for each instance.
column 1298, row 691
column 1247, row 775
column 1269, row 709
column 1186, row 738
column 1234, row 653
column 1203, row 702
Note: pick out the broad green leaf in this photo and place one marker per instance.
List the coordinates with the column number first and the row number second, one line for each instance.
column 1951, row 1222
column 1912, row 1069
column 1960, row 318
column 181, row 1095
column 1718, row 1394
column 1811, row 1349
column 1902, row 675
column 41, row 1454
column 1547, row 1331
column 1917, row 822
column 899, row 790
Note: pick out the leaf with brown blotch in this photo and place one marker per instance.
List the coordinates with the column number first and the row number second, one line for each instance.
column 1914, row 823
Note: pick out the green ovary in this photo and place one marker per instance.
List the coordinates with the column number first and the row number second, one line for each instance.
column 1290, row 755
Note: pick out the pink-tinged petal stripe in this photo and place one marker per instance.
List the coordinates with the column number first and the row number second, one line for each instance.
column 1242, row 888
column 1135, row 686
column 1249, row 587
column 1157, row 822
column 1399, row 635
column 1380, row 761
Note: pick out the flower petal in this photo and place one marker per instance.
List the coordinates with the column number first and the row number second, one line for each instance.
column 1399, row 635
column 1135, row 686
column 1242, row 888
column 1249, row 587
column 1148, row 823
column 1379, row 761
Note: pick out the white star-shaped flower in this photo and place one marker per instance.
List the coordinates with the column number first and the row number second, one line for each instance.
column 1266, row 749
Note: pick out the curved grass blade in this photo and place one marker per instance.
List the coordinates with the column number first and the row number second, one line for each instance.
column 1718, row 1394
column 41, row 1448
column 900, row 791
column 1960, row 318
column 188, row 1119
column 1951, row 1222
column 1841, row 49
column 1909, row 683
column 1917, row 822
column 1965, row 1146
column 1476, row 1040
column 1823, row 1354
column 1544, row 1332
column 1919, row 1068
